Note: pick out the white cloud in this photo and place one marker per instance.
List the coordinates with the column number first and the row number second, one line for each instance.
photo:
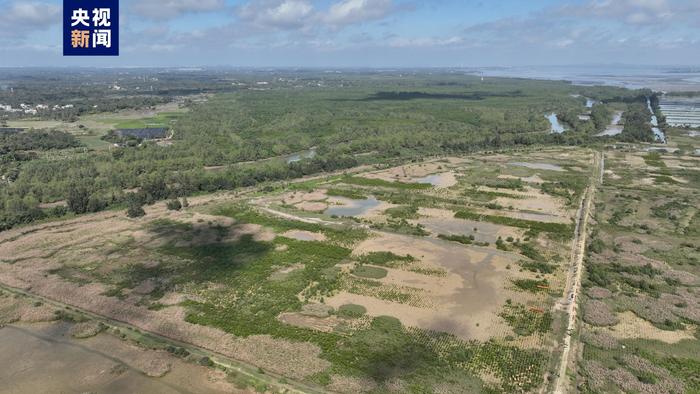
column 278, row 14
column 347, row 12
column 401, row 42
column 168, row 9
column 303, row 14
column 22, row 17
column 634, row 12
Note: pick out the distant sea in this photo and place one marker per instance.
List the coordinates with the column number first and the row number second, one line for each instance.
column 659, row 78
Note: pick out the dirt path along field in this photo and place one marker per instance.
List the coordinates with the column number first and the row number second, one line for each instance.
column 570, row 300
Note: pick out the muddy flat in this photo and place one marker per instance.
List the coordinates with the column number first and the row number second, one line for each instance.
column 465, row 302
column 42, row 358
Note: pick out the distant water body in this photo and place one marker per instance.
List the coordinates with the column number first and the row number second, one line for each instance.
column 556, row 125
column 633, row 77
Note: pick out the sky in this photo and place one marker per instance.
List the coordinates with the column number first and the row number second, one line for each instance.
column 368, row 33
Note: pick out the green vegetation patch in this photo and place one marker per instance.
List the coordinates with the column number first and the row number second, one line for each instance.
column 654, row 159
column 351, row 194
column 341, row 234
column 402, row 226
column 394, row 293
column 665, row 179
column 352, row 310
column 500, row 183
column 532, row 285
column 530, row 250
column 526, row 322
column 366, row 271
column 386, row 259
column 463, row 239
column 685, row 255
column 360, row 181
column 560, row 230
column 487, row 195
column 538, row 266
column 403, row 212
column 569, row 187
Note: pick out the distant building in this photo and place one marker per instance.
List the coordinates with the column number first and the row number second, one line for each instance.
column 150, row 133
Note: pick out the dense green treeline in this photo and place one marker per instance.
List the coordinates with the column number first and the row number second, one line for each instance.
column 36, row 140
column 637, row 126
column 350, row 119
column 601, row 116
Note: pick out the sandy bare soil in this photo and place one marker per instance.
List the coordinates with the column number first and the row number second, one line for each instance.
column 419, row 172
column 311, row 206
column 631, row 326
column 529, row 179
column 323, row 324
column 465, row 302
column 302, row 235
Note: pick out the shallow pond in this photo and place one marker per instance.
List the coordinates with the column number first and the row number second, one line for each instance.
column 307, row 154
column 485, row 232
column 445, row 179
column 554, row 121
column 614, row 128
column 353, row 207
column 431, row 179
column 538, row 166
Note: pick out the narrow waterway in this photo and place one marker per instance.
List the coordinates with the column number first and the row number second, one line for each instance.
column 660, row 136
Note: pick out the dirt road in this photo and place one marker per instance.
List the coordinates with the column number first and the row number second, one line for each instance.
column 569, row 301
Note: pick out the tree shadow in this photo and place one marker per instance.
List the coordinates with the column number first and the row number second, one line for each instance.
column 387, row 351
column 415, row 95
column 212, row 258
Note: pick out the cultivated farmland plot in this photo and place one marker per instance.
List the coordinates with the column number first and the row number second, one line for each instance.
column 439, row 275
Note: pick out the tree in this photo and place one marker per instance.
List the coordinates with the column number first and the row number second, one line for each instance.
column 134, row 206
column 95, row 204
column 135, row 210
column 174, row 205
column 78, row 199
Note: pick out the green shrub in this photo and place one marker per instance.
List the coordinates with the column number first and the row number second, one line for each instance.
column 352, row 310
column 351, row 194
column 174, row 205
column 564, row 231
column 365, row 271
column 135, row 210
column 403, row 212
column 463, row 239
column 531, row 285
column 360, row 181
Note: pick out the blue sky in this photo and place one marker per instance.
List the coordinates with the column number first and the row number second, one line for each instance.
column 371, row 33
